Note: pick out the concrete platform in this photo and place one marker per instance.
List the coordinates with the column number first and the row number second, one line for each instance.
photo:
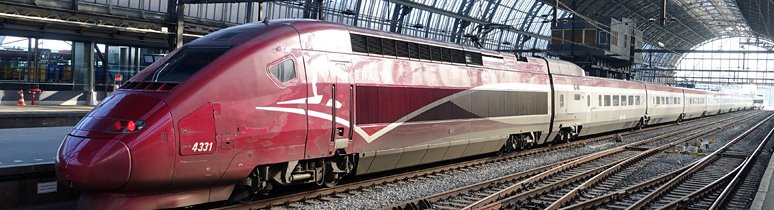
column 30, row 146
column 765, row 195
column 27, row 177
column 41, row 115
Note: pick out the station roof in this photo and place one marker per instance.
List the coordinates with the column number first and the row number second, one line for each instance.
column 495, row 24
column 526, row 24
column 688, row 23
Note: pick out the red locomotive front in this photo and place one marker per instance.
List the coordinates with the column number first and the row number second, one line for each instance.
column 177, row 134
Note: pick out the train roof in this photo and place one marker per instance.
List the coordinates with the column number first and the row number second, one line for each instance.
column 238, row 34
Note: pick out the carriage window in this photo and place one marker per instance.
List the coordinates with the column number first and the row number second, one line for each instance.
column 615, row 100
column 577, row 97
column 561, row 100
column 623, row 100
column 638, row 100
column 284, row 71
column 600, row 100
column 631, row 100
column 607, row 100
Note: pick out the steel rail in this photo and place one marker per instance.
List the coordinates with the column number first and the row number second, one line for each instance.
column 531, row 193
column 590, row 204
column 699, row 165
column 648, row 153
column 649, row 184
column 701, row 191
column 427, row 203
column 747, row 165
column 620, row 166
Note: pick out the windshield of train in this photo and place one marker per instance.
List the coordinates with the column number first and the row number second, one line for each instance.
column 185, row 63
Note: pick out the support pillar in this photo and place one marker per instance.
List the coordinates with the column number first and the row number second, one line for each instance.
column 249, row 12
column 180, row 25
column 92, row 100
column 261, row 12
column 36, row 63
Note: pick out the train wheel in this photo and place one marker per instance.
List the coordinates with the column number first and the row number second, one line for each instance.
column 338, row 167
column 331, row 179
column 522, row 144
column 639, row 125
column 250, row 188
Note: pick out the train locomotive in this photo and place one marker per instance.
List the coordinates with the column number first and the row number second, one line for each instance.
column 263, row 105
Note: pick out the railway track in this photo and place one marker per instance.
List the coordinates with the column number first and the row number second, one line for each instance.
column 354, row 187
column 704, row 184
column 549, row 185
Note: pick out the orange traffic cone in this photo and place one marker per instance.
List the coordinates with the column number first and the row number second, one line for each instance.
column 21, row 99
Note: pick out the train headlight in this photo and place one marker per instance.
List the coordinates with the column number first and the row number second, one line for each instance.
column 127, row 126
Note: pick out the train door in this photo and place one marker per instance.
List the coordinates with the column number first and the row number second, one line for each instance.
column 329, row 108
column 682, row 104
column 319, row 117
column 646, row 99
column 590, row 104
column 341, row 104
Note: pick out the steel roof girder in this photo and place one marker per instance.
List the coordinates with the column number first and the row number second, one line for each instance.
column 438, row 11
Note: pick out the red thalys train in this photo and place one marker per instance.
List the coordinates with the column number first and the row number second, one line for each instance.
column 237, row 112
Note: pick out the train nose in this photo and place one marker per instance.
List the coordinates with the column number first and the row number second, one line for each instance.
column 93, row 164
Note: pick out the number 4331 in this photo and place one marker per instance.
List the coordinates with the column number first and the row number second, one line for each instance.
column 202, row 147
